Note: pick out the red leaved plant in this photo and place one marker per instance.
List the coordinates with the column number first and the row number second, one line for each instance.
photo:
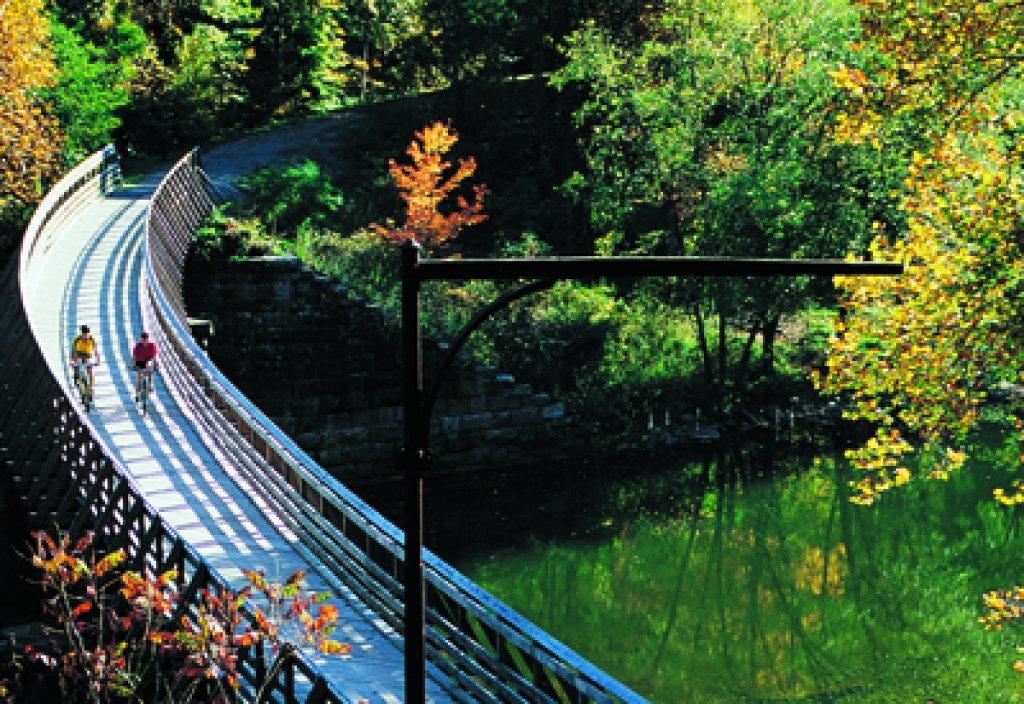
column 127, row 638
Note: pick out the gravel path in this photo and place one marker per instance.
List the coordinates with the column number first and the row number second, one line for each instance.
column 314, row 138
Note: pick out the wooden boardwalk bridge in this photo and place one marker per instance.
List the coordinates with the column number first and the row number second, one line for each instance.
column 206, row 483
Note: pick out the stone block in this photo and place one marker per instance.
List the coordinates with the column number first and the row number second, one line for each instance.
column 501, row 435
column 309, row 441
column 350, row 435
column 385, row 433
column 554, row 410
column 478, row 421
column 506, row 380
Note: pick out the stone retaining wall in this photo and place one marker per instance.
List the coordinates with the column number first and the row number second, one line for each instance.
column 324, row 365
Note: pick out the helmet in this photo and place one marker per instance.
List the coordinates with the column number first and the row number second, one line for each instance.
column 144, row 335
column 85, row 329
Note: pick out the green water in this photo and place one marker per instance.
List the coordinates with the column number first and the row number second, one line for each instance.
column 755, row 580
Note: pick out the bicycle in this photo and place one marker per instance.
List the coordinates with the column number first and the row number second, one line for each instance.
column 80, row 376
column 142, row 399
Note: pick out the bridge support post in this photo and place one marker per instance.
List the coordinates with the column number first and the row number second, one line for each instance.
column 413, row 461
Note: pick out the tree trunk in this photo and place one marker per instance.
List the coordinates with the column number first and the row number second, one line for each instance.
column 722, row 359
column 769, row 331
column 365, row 78
column 705, row 353
column 744, row 364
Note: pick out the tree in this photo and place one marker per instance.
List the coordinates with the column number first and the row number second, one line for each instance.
column 192, row 78
column 30, row 138
column 92, row 84
column 468, row 39
column 377, row 31
column 279, row 79
column 710, row 138
column 917, row 355
column 425, row 185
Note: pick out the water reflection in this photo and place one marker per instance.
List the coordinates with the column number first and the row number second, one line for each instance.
column 745, row 575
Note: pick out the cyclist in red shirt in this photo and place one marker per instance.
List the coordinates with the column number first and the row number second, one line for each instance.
column 144, row 356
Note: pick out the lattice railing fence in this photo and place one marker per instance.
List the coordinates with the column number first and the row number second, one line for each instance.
column 484, row 649
column 480, row 647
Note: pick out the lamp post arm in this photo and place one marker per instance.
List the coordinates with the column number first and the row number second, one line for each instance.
column 481, row 315
column 414, row 459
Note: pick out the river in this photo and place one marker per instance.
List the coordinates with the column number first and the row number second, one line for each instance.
column 744, row 574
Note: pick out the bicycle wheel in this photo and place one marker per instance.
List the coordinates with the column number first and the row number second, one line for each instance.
column 82, row 383
column 144, row 395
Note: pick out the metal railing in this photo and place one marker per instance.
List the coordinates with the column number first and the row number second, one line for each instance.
column 483, row 649
column 65, row 475
column 95, row 176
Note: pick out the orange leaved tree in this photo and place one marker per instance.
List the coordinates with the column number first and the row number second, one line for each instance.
column 426, row 185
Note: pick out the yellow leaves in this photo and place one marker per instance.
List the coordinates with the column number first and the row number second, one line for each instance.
column 913, row 349
column 333, row 647
column 852, row 79
column 1009, row 499
column 879, row 459
column 109, row 562
column 30, row 140
column 856, row 128
column 1005, row 607
column 955, row 458
column 25, row 62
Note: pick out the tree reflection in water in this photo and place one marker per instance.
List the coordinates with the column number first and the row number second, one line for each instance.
column 746, row 575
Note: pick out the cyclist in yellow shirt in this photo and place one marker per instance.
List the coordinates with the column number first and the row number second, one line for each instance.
column 84, row 350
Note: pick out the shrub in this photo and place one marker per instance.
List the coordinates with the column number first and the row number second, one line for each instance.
column 126, row 637
column 286, row 198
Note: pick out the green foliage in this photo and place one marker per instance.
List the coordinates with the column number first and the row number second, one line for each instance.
column 279, row 80
column 372, row 48
column 223, row 235
column 711, row 138
column 92, row 84
column 211, row 60
column 290, row 197
column 556, row 340
column 653, row 351
column 477, row 39
column 361, row 261
column 813, row 329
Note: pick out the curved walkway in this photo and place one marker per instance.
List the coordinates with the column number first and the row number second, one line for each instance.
column 312, row 138
column 91, row 275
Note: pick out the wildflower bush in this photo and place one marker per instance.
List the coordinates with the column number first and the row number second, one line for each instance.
column 124, row 636
column 1005, row 607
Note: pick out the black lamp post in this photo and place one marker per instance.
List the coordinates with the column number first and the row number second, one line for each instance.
column 414, row 458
